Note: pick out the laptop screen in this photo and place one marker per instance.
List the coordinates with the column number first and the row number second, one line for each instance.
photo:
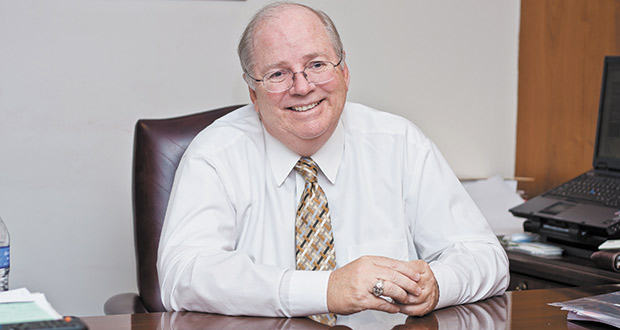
column 607, row 149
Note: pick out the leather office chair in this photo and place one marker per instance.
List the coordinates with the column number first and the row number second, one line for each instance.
column 158, row 147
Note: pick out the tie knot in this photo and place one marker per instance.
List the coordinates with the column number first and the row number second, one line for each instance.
column 307, row 168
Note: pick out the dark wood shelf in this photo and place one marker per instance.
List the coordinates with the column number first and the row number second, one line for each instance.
column 531, row 272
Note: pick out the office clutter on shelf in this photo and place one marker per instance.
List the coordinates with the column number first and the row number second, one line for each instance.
column 539, row 249
column 608, row 255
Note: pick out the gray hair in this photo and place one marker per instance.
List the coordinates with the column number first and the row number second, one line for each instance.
column 246, row 43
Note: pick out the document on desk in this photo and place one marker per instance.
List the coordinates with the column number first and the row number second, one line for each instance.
column 20, row 305
column 604, row 308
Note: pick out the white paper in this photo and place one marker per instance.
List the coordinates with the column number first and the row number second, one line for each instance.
column 20, row 305
column 495, row 196
column 610, row 244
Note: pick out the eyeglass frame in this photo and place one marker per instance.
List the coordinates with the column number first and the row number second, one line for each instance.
column 295, row 74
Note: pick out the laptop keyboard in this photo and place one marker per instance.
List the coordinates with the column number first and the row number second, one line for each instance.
column 589, row 187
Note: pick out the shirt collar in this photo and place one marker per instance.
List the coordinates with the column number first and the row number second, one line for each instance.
column 283, row 159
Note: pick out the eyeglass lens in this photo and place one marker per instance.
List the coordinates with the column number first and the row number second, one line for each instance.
column 317, row 73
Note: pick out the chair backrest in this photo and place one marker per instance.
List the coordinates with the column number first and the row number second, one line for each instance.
column 158, row 147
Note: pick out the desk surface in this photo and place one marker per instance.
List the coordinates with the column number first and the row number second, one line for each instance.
column 514, row 310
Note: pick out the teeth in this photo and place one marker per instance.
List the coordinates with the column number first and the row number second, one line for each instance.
column 305, row 107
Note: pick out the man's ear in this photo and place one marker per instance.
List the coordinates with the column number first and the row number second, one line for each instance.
column 252, row 95
column 345, row 69
column 250, row 89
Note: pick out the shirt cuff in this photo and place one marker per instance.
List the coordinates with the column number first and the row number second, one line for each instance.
column 308, row 292
column 448, row 284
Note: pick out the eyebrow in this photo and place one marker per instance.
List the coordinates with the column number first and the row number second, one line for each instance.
column 307, row 58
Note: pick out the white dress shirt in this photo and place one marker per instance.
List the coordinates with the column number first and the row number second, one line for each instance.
column 228, row 241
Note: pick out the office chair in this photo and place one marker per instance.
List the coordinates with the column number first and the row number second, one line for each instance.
column 158, row 147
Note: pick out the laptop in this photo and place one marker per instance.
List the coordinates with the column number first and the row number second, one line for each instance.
column 585, row 211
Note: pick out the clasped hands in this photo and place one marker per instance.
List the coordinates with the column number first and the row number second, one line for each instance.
column 411, row 286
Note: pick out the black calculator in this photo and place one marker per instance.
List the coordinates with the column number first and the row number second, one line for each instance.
column 66, row 323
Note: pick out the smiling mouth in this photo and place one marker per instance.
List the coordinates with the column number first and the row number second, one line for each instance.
column 305, row 107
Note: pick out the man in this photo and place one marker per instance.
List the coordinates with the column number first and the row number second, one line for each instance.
column 402, row 235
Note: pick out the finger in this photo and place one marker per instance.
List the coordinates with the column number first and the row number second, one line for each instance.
column 420, row 305
column 393, row 292
column 420, row 266
column 416, row 299
column 427, row 300
column 416, row 309
column 396, row 284
column 427, row 278
column 350, row 288
column 402, row 267
column 424, row 282
column 380, row 304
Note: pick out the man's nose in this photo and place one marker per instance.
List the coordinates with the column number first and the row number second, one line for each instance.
column 301, row 85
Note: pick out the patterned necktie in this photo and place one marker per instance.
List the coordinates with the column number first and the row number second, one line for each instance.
column 313, row 229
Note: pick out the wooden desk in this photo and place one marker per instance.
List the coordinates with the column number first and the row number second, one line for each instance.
column 529, row 272
column 514, row 310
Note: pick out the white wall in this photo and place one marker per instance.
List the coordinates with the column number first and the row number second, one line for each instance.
column 75, row 75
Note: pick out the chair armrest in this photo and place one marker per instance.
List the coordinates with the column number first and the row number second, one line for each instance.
column 124, row 303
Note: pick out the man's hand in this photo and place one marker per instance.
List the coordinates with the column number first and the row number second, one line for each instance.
column 411, row 286
column 424, row 301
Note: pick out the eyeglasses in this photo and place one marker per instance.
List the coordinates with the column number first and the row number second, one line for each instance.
column 317, row 72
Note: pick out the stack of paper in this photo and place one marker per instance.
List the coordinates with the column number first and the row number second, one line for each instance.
column 494, row 196
column 604, row 308
column 20, row 305
column 538, row 249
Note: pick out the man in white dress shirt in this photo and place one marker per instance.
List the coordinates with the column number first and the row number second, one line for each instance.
column 401, row 221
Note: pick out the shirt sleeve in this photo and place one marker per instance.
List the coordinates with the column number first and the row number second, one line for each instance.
column 200, row 269
column 450, row 232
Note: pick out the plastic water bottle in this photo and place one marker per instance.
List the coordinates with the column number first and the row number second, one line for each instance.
column 5, row 253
